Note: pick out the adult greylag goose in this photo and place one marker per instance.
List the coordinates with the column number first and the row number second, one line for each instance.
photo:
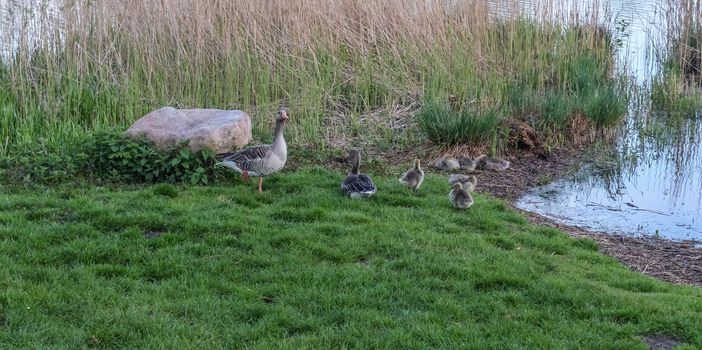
column 468, row 182
column 488, row 163
column 261, row 160
column 460, row 198
column 357, row 185
column 413, row 178
column 446, row 164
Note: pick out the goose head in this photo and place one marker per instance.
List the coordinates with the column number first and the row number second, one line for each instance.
column 354, row 160
column 282, row 115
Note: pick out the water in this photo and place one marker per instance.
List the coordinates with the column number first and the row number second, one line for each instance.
column 21, row 20
column 653, row 188
column 654, row 184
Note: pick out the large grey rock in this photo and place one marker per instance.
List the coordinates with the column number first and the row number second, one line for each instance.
column 214, row 129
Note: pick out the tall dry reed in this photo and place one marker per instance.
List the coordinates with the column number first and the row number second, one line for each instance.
column 78, row 66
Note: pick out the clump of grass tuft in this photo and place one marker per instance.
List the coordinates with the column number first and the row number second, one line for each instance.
column 671, row 94
column 166, row 190
column 584, row 72
column 444, row 125
column 558, row 109
column 577, row 82
column 604, row 106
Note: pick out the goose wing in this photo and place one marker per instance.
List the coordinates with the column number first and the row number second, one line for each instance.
column 250, row 159
column 358, row 184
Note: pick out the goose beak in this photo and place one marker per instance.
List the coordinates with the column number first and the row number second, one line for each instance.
column 284, row 115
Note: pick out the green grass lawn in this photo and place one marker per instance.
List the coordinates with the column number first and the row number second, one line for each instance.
column 299, row 266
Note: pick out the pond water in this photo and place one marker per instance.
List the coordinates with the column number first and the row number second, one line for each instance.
column 21, row 20
column 653, row 184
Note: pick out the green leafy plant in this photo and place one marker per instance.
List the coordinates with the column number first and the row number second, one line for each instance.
column 117, row 157
column 42, row 164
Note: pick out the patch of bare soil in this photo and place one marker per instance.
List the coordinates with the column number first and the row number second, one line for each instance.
column 526, row 170
column 660, row 342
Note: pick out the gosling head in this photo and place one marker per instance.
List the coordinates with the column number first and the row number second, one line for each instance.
column 417, row 164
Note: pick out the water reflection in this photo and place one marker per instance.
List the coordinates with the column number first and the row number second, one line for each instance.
column 655, row 187
column 653, row 183
column 652, row 187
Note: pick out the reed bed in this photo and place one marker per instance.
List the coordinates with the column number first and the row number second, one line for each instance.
column 75, row 67
column 677, row 89
column 685, row 36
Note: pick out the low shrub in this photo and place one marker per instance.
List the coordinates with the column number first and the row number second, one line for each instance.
column 120, row 158
column 106, row 156
column 42, row 164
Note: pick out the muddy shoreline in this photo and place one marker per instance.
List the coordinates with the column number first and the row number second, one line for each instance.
column 677, row 262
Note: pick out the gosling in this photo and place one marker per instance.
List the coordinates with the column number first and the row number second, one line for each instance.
column 413, row 178
column 447, row 164
column 494, row 164
column 459, row 197
column 468, row 182
column 466, row 163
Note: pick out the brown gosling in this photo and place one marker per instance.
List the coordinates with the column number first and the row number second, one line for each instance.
column 466, row 163
column 459, row 197
column 488, row 163
column 413, row 178
column 468, row 182
column 447, row 164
